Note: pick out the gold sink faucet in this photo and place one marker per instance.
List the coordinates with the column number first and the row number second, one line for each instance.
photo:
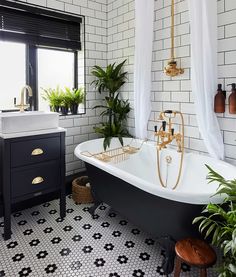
column 22, row 104
column 164, row 136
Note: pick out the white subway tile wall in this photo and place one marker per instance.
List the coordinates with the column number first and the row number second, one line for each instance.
column 110, row 38
column 175, row 93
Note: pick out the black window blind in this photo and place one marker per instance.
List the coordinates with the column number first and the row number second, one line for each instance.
column 33, row 26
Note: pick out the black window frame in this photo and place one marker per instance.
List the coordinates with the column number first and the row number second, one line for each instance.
column 31, row 49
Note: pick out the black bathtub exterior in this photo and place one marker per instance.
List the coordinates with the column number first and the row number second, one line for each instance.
column 155, row 215
column 164, row 219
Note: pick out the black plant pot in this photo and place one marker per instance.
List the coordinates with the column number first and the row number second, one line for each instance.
column 64, row 110
column 55, row 109
column 74, row 108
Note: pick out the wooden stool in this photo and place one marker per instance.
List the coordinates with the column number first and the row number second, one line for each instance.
column 194, row 252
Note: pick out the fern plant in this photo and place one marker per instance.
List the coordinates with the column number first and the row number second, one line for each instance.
column 219, row 222
column 115, row 110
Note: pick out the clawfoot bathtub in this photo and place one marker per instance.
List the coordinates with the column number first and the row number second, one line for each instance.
column 132, row 188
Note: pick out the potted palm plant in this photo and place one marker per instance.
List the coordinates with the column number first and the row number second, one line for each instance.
column 54, row 97
column 219, row 223
column 75, row 97
column 115, row 111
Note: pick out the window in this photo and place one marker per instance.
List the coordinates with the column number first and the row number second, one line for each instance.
column 12, row 56
column 55, row 68
column 39, row 48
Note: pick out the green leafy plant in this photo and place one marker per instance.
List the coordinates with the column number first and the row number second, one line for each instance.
column 74, row 96
column 53, row 97
column 115, row 110
column 219, row 222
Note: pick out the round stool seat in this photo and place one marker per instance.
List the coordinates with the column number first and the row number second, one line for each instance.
column 195, row 252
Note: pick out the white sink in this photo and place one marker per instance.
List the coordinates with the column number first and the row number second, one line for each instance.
column 17, row 122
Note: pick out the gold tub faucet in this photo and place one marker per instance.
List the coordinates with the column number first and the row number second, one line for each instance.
column 165, row 136
column 22, row 104
column 166, row 133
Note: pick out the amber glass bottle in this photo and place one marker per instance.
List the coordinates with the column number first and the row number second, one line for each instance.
column 219, row 105
column 232, row 100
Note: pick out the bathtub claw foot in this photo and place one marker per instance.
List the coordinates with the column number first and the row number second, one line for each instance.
column 94, row 207
column 168, row 245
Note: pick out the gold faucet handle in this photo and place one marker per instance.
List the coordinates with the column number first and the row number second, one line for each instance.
column 22, row 107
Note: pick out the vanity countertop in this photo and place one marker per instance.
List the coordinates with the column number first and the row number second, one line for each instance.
column 32, row 133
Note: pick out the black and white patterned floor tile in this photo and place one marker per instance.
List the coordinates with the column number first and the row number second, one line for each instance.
column 107, row 245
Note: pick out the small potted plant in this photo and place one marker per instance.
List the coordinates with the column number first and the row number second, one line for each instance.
column 75, row 97
column 53, row 97
column 65, row 103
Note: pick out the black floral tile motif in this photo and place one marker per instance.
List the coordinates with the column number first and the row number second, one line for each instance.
column 76, row 265
column 77, row 238
column 51, row 268
column 2, row 273
column 34, row 242
column 129, row 244
column 87, row 226
column 60, row 219
column 69, row 211
column 135, row 231
column 22, row 222
column 41, row 221
column 123, row 222
column 105, row 224
column 65, row 252
column 18, row 257
column 149, row 241
column 115, row 274
column 77, row 218
column 52, row 212
column 25, row 271
column 138, row 273
column 97, row 236
column 95, row 216
column 102, row 207
column 42, row 254
column 160, row 271
column 18, row 214
column 1, row 224
column 144, row 256
column 109, row 247
column 12, row 244
column 34, row 213
column 112, row 214
column 86, row 209
column 48, row 230
column 28, row 232
column 46, row 204
column 87, row 249
column 116, row 234
column 122, row 259
column 99, row 262
column 67, row 228
column 56, row 240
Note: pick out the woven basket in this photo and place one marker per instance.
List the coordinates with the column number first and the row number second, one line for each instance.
column 80, row 193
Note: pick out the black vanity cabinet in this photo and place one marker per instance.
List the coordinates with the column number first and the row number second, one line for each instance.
column 31, row 166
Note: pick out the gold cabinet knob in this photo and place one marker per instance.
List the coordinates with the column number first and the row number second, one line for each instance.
column 37, row 152
column 37, row 180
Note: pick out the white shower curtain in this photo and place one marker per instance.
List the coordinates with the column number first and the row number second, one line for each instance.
column 203, row 22
column 144, row 17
